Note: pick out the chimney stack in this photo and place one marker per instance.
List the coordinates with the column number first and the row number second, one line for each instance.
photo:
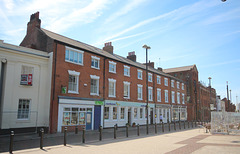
column 151, row 64
column 108, row 47
column 160, row 69
column 34, row 22
column 132, row 56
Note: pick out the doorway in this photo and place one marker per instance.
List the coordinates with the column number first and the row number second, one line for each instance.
column 129, row 116
column 151, row 116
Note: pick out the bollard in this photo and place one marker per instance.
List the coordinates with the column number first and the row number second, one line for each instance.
column 155, row 128
column 169, row 126
column 162, row 126
column 179, row 125
column 100, row 133
column 83, row 135
column 41, row 139
column 174, row 125
column 126, row 130
column 65, row 136
column 115, row 132
column 138, row 130
column 184, row 124
column 76, row 130
column 11, row 142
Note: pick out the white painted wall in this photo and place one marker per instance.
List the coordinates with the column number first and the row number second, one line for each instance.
column 39, row 92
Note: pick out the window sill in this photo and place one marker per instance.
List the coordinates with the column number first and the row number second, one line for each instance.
column 73, row 92
column 112, row 96
column 140, row 78
column 126, row 97
column 95, row 68
column 127, row 75
column 140, row 99
column 73, row 62
column 94, row 94
column 112, row 72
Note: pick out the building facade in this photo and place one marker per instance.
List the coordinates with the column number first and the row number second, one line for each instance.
column 25, row 84
column 93, row 87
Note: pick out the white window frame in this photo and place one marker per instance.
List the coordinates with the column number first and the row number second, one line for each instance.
column 97, row 59
column 128, row 68
column 182, row 86
column 178, row 97
column 22, row 112
column 122, row 113
column 178, row 85
column 166, row 81
column 166, row 96
column 150, row 78
column 135, row 114
column 158, row 92
column 158, row 79
column 114, row 64
column 140, row 71
column 172, row 83
column 140, row 86
column 114, row 82
column 73, row 50
column 183, row 98
column 116, row 113
column 76, row 74
column 150, row 89
column 128, row 84
column 106, row 112
column 173, row 96
column 94, row 77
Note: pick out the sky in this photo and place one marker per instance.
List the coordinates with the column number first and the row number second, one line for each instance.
column 179, row 32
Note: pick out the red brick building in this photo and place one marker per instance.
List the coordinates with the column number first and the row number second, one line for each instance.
column 229, row 107
column 93, row 87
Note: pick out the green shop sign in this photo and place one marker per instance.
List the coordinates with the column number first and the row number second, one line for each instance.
column 98, row 102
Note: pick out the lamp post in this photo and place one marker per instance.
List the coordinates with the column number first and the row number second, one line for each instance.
column 227, row 98
column 210, row 88
column 147, row 47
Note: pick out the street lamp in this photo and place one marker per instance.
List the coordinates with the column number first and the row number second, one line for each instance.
column 227, row 98
column 147, row 47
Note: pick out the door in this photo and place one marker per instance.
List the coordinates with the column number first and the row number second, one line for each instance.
column 129, row 116
column 97, row 117
column 89, row 121
column 151, row 115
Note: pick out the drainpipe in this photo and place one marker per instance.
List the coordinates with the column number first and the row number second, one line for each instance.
column 104, row 88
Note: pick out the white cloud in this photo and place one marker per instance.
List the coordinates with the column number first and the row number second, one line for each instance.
column 9, row 4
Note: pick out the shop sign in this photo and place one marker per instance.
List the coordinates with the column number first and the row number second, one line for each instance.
column 64, row 90
column 98, row 102
column 66, row 116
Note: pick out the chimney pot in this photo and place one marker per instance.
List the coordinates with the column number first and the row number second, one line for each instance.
column 108, row 47
column 132, row 56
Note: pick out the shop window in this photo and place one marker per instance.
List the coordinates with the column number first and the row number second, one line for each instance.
column 82, row 117
column 135, row 113
column 141, row 113
column 106, row 113
column 26, row 76
column 122, row 113
column 23, row 109
column 114, row 113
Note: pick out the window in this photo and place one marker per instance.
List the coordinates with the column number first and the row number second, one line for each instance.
column 94, row 85
column 158, row 95
column 178, row 85
column 73, row 81
column 183, row 100
column 126, row 89
column 166, row 81
column 141, row 113
column 95, row 62
column 158, row 79
column 135, row 113
column 111, row 88
column 122, row 113
column 166, row 96
column 26, row 75
column 150, row 94
column 182, row 86
column 140, row 91
column 114, row 113
column 23, row 108
column 126, row 70
column 164, row 113
column 172, row 83
column 149, row 77
column 106, row 113
column 140, row 74
column 178, row 98
column 173, row 97
column 74, row 56
column 112, row 67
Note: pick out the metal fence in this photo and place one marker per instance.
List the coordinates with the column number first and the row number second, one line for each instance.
column 225, row 123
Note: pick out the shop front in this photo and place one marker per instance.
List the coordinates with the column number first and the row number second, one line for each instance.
column 121, row 113
column 79, row 113
column 179, row 112
column 164, row 110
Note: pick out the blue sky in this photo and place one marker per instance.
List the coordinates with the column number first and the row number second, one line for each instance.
column 180, row 32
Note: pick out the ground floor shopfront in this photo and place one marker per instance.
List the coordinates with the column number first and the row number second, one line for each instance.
column 179, row 112
column 80, row 113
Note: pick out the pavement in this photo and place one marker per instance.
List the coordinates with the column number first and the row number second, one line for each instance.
column 190, row 140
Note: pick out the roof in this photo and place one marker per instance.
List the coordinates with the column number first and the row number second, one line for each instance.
column 101, row 52
column 179, row 69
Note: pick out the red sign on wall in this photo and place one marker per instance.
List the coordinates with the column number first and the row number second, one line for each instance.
column 26, row 79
